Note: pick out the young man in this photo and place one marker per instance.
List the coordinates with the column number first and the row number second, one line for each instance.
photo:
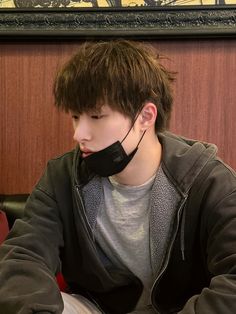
column 137, row 219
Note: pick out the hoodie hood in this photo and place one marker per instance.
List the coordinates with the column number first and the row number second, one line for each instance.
column 183, row 159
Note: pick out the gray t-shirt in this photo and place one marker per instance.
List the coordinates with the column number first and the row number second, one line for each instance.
column 122, row 231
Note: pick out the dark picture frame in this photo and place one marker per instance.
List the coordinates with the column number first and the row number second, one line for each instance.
column 131, row 22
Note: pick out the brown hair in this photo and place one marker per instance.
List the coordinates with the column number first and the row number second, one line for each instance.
column 120, row 73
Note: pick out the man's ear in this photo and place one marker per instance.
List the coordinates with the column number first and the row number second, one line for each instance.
column 148, row 116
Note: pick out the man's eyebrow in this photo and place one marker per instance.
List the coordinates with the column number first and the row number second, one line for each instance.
column 72, row 112
column 96, row 110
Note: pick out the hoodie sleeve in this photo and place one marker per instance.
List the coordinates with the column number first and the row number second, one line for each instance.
column 29, row 257
column 219, row 225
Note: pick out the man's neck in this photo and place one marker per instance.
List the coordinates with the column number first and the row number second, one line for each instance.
column 144, row 164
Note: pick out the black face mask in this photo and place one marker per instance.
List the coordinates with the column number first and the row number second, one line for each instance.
column 110, row 160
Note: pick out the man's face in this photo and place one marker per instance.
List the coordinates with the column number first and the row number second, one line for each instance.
column 97, row 130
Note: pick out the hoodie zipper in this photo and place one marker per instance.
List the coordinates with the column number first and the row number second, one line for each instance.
column 90, row 235
column 84, row 216
column 163, row 269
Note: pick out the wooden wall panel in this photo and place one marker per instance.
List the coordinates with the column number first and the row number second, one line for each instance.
column 32, row 130
column 205, row 93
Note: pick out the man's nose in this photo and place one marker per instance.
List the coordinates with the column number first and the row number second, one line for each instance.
column 81, row 133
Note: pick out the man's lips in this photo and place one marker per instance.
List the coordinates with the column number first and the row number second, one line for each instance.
column 86, row 153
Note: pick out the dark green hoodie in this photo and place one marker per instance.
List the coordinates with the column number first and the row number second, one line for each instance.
column 198, row 273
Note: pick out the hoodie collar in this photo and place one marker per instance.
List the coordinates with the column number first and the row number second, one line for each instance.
column 183, row 159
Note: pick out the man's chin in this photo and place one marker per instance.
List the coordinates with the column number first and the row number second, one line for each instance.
column 84, row 155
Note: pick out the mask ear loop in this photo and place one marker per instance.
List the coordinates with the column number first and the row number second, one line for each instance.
column 132, row 127
column 141, row 138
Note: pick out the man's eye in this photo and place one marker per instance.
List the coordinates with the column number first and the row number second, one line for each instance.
column 97, row 116
column 75, row 117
